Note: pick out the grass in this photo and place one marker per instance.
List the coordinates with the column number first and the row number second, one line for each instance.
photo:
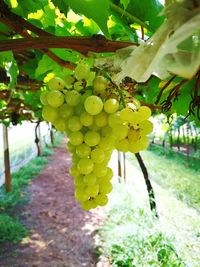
column 130, row 236
column 11, row 230
column 174, row 172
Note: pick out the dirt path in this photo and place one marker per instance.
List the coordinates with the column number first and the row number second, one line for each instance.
column 62, row 234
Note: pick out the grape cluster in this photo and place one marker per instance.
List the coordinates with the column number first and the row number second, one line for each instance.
column 95, row 124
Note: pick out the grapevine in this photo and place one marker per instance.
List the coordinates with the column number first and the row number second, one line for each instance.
column 89, row 108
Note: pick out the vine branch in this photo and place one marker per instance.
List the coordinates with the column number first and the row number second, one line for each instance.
column 96, row 44
column 150, row 190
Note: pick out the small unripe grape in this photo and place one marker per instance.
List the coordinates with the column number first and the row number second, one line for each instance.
column 65, row 111
column 101, row 199
column 85, row 166
column 92, row 138
column 100, row 84
column 74, row 124
column 97, row 155
column 86, row 119
column 105, row 188
column 76, row 138
column 56, row 83
column 144, row 113
column 60, row 124
column 49, row 113
column 72, row 98
column 43, row 98
column 82, row 72
column 83, row 150
column 111, row 105
column 93, row 105
column 55, row 98
column 90, row 179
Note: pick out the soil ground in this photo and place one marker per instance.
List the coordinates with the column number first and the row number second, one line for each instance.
column 61, row 233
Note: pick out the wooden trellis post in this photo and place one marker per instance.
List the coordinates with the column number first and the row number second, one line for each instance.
column 6, row 159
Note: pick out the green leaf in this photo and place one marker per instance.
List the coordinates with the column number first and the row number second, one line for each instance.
column 62, row 5
column 46, row 64
column 125, row 3
column 139, row 9
column 8, row 62
column 66, row 54
column 93, row 9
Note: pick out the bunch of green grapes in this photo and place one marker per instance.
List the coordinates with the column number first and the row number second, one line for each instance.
column 95, row 124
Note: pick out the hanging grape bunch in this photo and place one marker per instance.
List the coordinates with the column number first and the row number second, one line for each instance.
column 87, row 107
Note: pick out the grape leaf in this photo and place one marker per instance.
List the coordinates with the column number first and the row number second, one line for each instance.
column 8, row 62
column 92, row 9
column 62, row 5
column 125, row 3
column 46, row 64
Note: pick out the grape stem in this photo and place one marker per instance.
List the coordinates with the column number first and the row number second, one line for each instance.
column 150, row 190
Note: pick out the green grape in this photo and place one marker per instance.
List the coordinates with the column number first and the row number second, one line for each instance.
column 99, row 85
column 122, row 145
column 146, row 127
column 83, row 150
column 144, row 113
column 111, row 105
column 86, row 119
column 79, row 182
column 100, row 169
column 120, row 131
column 107, row 143
column 55, row 98
column 43, row 98
column 60, row 125
column 139, row 145
column 97, row 155
column 109, row 173
column 73, row 171
column 69, row 79
column 92, row 138
column 56, row 83
column 82, row 72
column 94, row 127
column 76, row 138
column 106, row 131
column 78, row 86
column 101, row 119
column 93, row 105
column 88, row 204
column 85, row 166
column 91, row 78
column 74, row 124
column 49, row 114
column 127, row 115
column 65, row 111
column 108, row 154
column 92, row 190
column 79, row 109
column 105, row 188
column 114, row 119
column 80, row 195
column 72, row 98
column 133, row 135
column 71, row 148
column 90, row 179
column 75, row 158
column 101, row 199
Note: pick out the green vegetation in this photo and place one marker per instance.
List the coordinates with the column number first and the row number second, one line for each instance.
column 11, row 229
column 131, row 237
column 175, row 172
